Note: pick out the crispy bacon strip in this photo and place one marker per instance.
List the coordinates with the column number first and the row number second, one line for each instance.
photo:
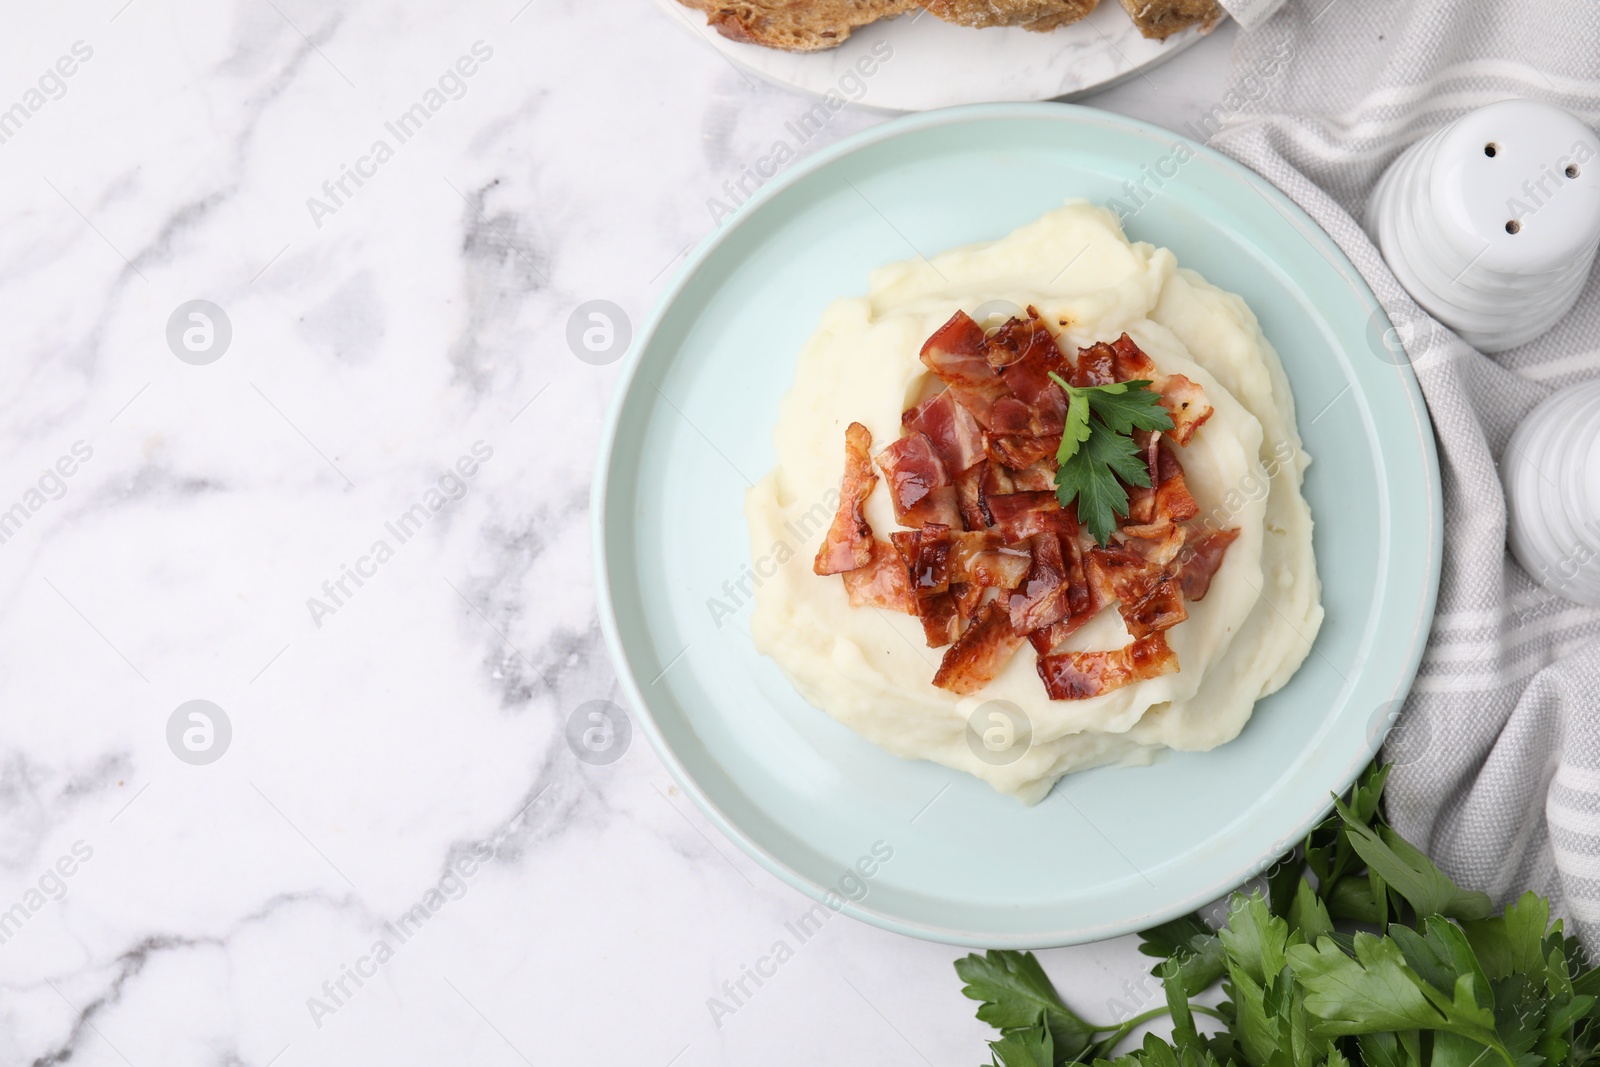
column 1201, row 558
column 1131, row 363
column 1146, row 594
column 941, row 619
column 1020, row 451
column 968, row 598
column 956, row 435
column 849, row 541
column 980, row 652
column 1158, row 542
column 1023, row 340
column 1186, row 402
column 980, row 558
column 1044, row 597
column 969, row 497
column 1080, row 675
column 1018, row 516
column 1037, row 406
column 1096, row 365
column 883, row 583
column 1036, row 477
column 919, row 486
column 926, row 554
column 958, row 353
column 1167, row 500
column 1159, row 609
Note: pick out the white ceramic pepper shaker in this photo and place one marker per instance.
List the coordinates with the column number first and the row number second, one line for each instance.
column 1492, row 222
column 1551, row 471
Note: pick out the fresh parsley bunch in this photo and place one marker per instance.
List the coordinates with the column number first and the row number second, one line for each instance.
column 1097, row 448
column 1359, row 953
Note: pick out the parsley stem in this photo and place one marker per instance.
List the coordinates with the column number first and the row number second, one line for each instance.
column 1123, row 1029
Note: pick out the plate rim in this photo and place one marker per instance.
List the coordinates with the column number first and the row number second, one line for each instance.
column 629, row 373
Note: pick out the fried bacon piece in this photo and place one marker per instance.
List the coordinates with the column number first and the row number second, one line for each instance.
column 941, row 618
column 980, row 652
column 1167, row 498
column 980, row 558
column 882, row 583
column 1145, row 592
column 1027, row 352
column 1018, row 516
column 969, row 497
column 1020, row 451
column 1201, row 558
column 1080, row 675
column 1186, row 402
column 1131, row 363
column 955, row 434
column 1117, row 573
column 919, row 486
column 968, row 598
column 1158, row 542
column 926, row 554
column 1024, row 340
column 1036, row 477
column 958, row 354
column 1097, row 365
column 1043, row 598
column 1159, row 609
column 849, row 541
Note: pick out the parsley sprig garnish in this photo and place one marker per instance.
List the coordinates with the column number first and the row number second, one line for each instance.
column 1097, row 449
column 1359, row 952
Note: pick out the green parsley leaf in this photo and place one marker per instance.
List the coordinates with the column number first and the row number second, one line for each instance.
column 1378, row 990
column 1445, row 984
column 1128, row 406
column 1090, row 478
column 1097, row 448
column 1024, row 1048
column 1016, row 993
column 1076, row 431
column 1410, row 873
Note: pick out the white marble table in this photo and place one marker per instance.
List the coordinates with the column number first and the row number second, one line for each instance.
column 357, row 526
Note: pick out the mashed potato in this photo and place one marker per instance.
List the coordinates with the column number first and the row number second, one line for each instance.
column 872, row 670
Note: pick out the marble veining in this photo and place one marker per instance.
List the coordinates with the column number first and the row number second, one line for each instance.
column 359, row 529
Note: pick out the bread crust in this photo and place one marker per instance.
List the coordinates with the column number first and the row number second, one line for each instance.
column 1037, row 15
column 1160, row 19
column 795, row 25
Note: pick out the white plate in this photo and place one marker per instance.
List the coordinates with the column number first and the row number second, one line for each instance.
column 931, row 63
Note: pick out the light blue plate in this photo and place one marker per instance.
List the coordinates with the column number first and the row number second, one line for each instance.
column 1112, row 850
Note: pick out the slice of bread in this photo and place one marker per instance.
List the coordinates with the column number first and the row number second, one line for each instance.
column 1161, row 19
column 795, row 25
column 1037, row 15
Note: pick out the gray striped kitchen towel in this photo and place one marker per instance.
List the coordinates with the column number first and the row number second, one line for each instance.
column 1497, row 749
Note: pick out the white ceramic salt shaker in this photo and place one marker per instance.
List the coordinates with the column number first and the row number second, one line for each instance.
column 1492, row 222
column 1551, row 470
